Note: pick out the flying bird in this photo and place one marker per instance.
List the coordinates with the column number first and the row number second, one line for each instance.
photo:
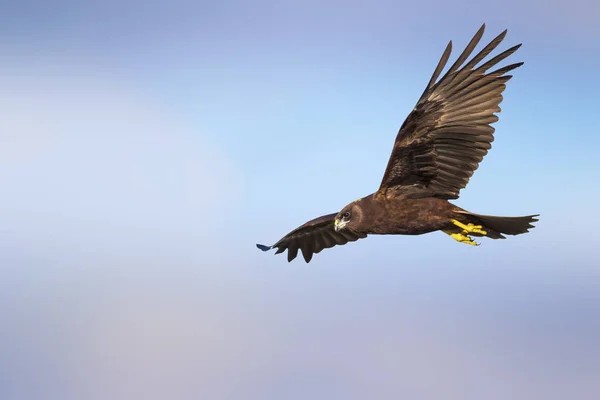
column 437, row 149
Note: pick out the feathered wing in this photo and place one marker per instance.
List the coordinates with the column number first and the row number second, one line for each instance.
column 448, row 133
column 312, row 237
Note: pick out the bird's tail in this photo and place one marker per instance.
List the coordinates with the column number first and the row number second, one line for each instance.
column 495, row 227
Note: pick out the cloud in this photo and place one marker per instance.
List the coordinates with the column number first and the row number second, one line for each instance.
column 88, row 159
column 109, row 201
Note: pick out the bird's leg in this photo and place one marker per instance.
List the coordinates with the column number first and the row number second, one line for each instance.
column 470, row 228
column 462, row 237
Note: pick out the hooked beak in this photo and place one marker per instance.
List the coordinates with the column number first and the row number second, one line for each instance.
column 338, row 225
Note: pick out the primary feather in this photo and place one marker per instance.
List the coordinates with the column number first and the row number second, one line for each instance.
column 446, row 136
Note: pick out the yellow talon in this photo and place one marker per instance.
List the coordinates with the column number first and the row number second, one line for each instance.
column 470, row 228
column 462, row 238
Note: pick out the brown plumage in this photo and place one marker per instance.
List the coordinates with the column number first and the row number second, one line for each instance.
column 437, row 149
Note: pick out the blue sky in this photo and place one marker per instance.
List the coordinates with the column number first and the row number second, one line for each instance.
column 147, row 146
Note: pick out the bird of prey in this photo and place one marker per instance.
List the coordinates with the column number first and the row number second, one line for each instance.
column 437, row 149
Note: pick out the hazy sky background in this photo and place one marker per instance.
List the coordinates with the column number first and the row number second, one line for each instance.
column 147, row 146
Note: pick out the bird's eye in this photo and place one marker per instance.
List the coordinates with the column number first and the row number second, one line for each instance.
column 346, row 215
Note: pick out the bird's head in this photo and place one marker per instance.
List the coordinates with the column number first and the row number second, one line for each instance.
column 349, row 218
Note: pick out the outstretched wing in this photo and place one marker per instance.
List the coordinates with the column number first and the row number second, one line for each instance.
column 312, row 237
column 448, row 133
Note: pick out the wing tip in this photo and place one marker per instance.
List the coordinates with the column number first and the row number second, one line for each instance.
column 263, row 247
column 307, row 256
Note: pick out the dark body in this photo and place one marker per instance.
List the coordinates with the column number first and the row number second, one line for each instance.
column 437, row 149
column 405, row 216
